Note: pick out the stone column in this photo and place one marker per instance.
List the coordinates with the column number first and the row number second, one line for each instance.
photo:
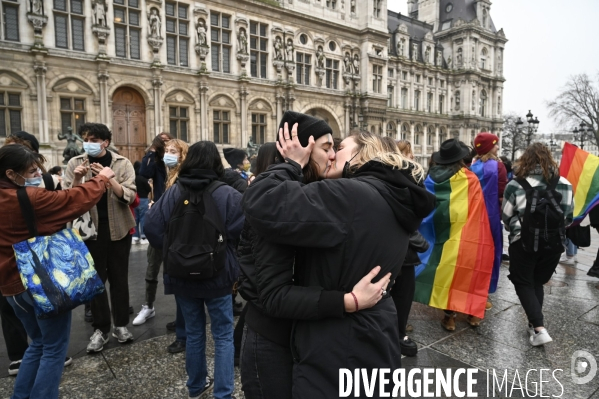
column 424, row 149
column 243, row 93
column 412, row 128
column 279, row 100
column 157, row 88
column 203, row 87
column 39, row 67
column 436, row 143
column 103, row 81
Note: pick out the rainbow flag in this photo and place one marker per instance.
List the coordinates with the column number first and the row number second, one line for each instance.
column 581, row 169
column 456, row 270
column 488, row 176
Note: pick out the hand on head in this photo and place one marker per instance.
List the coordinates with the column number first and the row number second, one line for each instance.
column 290, row 147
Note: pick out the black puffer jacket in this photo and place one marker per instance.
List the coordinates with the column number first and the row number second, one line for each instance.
column 234, row 179
column 341, row 229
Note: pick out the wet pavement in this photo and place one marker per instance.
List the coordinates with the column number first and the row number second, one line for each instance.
column 144, row 369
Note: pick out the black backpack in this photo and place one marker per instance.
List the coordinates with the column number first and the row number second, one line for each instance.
column 196, row 243
column 543, row 226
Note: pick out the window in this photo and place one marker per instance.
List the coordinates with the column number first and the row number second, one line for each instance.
column 442, row 83
column 69, row 24
column 483, row 59
column 11, row 21
column 404, row 98
column 429, row 137
column 177, row 34
column 258, row 49
column 417, row 78
column 377, row 78
column 303, row 64
column 482, row 103
column 404, row 75
column 389, row 96
column 178, row 118
column 72, row 113
column 259, row 128
column 417, row 100
column 404, row 132
column 222, row 122
column 377, row 8
column 417, row 139
column 429, row 102
column 10, row 113
column 430, row 81
column 127, row 28
column 303, row 38
column 441, row 102
column 331, row 4
column 332, row 73
column 220, row 31
column 390, row 72
column 332, row 46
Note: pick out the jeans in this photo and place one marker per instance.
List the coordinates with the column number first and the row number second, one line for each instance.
column 402, row 293
column 14, row 333
column 529, row 271
column 571, row 249
column 221, row 318
column 140, row 215
column 180, row 333
column 41, row 368
column 266, row 367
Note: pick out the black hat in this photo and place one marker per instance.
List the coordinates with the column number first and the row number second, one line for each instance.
column 307, row 126
column 234, row 156
column 35, row 145
column 451, row 151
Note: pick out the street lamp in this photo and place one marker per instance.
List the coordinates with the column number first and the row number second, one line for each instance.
column 531, row 128
column 581, row 135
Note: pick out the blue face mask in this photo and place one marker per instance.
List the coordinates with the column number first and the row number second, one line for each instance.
column 171, row 160
column 31, row 181
column 93, row 149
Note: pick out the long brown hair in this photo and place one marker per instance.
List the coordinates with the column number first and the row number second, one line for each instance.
column 182, row 147
column 536, row 155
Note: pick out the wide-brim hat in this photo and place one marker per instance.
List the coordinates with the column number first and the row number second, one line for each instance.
column 451, row 151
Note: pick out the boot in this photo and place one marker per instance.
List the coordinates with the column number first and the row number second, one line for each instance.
column 594, row 271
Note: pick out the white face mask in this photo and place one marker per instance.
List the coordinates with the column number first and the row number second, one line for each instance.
column 93, row 149
column 171, row 160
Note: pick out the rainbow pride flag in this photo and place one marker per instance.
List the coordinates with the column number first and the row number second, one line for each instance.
column 581, row 169
column 456, row 270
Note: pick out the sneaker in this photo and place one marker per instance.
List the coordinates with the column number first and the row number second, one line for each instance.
column 408, row 347
column 531, row 330
column 488, row 305
column 540, row 338
column 448, row 322
column 208, row 388
column 13, row 368
column 473, row 321
column 176, row 347
column 144, row 314
column 97, row 342
column 567, row 260
column 143, row 241
column 122, row 334
column 135, row 240
column 68, row 361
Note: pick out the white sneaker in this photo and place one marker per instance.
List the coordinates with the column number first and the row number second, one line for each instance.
column 540, row 338
column 122, row 334
column 531, row 330
column 568, row 260
column 144, row 314
column 135, row 240
column 97, row 341
column 143, row 241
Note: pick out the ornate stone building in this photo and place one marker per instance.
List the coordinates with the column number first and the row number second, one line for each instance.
column 226, row 70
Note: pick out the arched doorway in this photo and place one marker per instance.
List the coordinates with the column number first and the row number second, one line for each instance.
column 129, row 123
column 325, row 115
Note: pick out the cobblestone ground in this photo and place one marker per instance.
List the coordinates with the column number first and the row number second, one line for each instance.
column 144, row 369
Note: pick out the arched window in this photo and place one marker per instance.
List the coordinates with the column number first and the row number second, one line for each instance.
column 482, row 103
column 391, row 129
column 431, row 134
column 405, row 131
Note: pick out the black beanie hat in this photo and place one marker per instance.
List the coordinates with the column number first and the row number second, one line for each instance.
column 234, row 156
column 35, row 145
column 307, row 126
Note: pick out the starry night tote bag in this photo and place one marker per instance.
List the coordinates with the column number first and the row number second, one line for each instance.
column 57, row 270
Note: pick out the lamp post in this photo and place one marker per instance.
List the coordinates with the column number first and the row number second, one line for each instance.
column 581, row 135
column 531, row 128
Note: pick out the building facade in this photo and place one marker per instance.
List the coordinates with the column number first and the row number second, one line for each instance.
column 227, row 70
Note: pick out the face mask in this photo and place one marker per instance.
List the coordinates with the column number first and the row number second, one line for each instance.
column 93, row 149
column 246, row 168
column 171, row 160
column 31, row 181
column 346, row 168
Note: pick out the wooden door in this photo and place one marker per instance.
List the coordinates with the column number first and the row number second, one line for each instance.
column 129, row 123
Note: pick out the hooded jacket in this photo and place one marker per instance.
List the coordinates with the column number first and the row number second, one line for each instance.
column 235, row 180
column 228, row 202
column 341, row 229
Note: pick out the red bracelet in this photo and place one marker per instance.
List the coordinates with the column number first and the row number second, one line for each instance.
column 355, row 300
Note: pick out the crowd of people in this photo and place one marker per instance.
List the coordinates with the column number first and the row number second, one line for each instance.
column 329, row 242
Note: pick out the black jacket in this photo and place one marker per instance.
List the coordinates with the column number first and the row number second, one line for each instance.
column 234, row 179
column 341, row 229
column 155, row 169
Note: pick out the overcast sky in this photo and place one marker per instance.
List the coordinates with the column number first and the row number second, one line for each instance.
column 549, row 40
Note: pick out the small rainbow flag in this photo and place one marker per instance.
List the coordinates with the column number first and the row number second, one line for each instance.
column 456, row 270
column 581, row 169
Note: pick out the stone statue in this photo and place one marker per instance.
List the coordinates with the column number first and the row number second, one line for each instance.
column 99, row 13
column 319, row 58
column 439, row 59
column 400, row 47
column 201, row 32
column 278, row 46
column 457, row 100
column 353, row 6
column 36, row 7
column 356, row 65
column 473, row 100
column 71, row 150
column 347, row 64
column 415, row 52
column 449, row 62
column 459, row 57
column 252, row 148
column 427, row 55
column 242, row 42
column 289, row 50
column 154, row 23
column 499, row 63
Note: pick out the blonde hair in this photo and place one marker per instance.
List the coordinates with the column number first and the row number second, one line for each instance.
column 486, row 157
column 371, row 147
column 182, row 147
column 405, row 148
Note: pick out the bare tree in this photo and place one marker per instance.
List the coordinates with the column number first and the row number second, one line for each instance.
column 513, row 139
column 578, row 102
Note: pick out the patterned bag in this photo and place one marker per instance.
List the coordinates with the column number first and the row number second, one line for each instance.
column 84, row 225
column 58, row 270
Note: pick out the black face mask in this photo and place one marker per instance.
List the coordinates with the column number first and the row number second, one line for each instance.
column 346, row 168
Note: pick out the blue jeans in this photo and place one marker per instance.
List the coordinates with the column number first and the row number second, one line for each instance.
column 180, row 333
column 571, row 249
column 221, row 318
column 140, row 215
column 41, row 368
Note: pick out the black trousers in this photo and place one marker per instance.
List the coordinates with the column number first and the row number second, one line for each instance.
column 14, row 333
column 529, row 271
column 111, row 260
column 403, row 295
column 238, row 332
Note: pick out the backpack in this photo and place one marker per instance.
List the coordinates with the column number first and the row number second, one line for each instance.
column 543, row 225
column 196, row 243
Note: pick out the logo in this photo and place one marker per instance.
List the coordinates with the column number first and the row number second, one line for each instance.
column 583, row 367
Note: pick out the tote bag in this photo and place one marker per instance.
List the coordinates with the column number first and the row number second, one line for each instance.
column 85, row 226
column 57, row 270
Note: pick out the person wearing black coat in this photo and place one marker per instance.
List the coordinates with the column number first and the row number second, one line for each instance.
column 339, row 229
column 594, row 218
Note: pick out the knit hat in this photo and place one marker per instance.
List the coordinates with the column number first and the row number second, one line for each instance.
column 307, row 126
column 234, row 156
column 35, row 145
column 451, row 151
column 484, row 142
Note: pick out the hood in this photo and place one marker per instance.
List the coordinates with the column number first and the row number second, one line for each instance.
column 197, row 179
column 410, row 203
column 441, row 173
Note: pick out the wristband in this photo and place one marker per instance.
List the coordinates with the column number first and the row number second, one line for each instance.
column 355, row 300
